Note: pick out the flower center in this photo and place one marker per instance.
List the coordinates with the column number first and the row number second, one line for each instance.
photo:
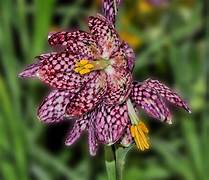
column 138, row 129
column 85, row 66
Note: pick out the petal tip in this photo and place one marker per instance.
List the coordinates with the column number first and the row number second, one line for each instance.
column 168, row 119
column 71, row 139
column 188, row 109
column 93, row 153
column 68, row 143
column 170, row 122
column 41, row 118
column 21, row 75
column 50, row 34
column 25, row 74
column 30, row 71
column 90, row 18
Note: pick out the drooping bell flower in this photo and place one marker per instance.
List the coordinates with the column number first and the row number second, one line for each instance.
column 92, row 84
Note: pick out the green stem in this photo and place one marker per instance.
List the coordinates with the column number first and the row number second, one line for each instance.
column 120, row 163
column 115, row 161
column 110, row 162
column 120, row 154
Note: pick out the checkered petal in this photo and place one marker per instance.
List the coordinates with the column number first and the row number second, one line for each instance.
column 78, row 42
column 105, row 35
column 52, row 109
column 30, row 71
column 123, row 57
column 110, row 123
column 119, row 85
column 110, row 9
column 130, row 55
column 93, row 143
column 57, row 71
column 79, row 126
column 89, row 97
column 149, row 100
column 126, row 140
column 167, row 93
column 119, row 59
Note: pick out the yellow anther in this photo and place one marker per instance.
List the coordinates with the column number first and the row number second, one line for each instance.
column 139, row 133
column 133, row 131
column 143, row 127
column 89, row 66
column 78, row 69
column 138, row 140
column 84, row 71
column 84, row 61
column 85, row 66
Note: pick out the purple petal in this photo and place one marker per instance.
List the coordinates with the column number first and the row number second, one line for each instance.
column 126, row 140
column 110, row 9
column 119, row 86
column 78, row 42
column 93, row 144
column 30, row 71
column 57, row 71
column 149, row 100
column 119, row 59
column 52, row 109
column 111, row 122
column 105, row 35
column 130, row 55
column 79, row 126
column 167, row 93
column 89, row 97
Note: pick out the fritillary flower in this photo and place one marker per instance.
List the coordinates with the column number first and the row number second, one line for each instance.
column 91, row 78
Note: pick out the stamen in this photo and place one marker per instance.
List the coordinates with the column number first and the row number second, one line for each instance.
column 89, row 66
column 78, row 69
column 85, row 66
column 139, row 133
column 138, row 129
column 83, row 61
column 84, row 71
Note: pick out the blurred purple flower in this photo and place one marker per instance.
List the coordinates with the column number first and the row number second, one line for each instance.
column 93, row 85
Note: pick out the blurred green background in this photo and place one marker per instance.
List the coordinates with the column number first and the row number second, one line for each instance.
column 171, row 41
